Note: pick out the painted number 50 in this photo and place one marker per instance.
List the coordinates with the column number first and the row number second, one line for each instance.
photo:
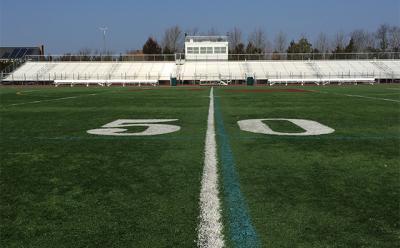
column 118, row 127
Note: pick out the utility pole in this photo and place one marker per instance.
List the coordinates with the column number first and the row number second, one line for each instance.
column 104, row 30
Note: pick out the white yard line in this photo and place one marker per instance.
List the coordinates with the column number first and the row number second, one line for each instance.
column 393, row 88
column 25, row 91
column 367, row 97
column 375, row 98
column 210, row 226
column 382, row 94
column 50, row 100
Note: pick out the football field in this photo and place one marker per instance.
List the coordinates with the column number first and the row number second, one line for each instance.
column 312, row 166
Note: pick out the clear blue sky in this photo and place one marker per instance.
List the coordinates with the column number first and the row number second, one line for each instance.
column 69, row 25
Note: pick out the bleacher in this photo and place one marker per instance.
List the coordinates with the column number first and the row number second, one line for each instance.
column 273, row 72
column 103, row 73
column 313, row 71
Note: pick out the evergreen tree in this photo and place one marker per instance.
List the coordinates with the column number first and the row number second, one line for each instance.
column 350, row 48
column 302, row 46
column 251, row 49
column 338, row 49
column 239, row 49
column 292, row 47
column 151, row 47
column 166, row 50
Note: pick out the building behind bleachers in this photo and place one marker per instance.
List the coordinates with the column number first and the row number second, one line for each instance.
column 14, row 53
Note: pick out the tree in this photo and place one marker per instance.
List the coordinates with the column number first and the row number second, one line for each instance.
column 235, row 38
column 338, row 49
column 259, row 40
column 166, row 50
column 350, row 48
column 363, row 40
column 339, row 41
column 173, row 40
column 252, row 49
column 280, row 42
column 192, row 32
column 382, row 36
column 151, row 46
column 84, row 54
column 212, row 32
column 302, row 46
column 394, row 39
column 239, row 49
column 322, row 43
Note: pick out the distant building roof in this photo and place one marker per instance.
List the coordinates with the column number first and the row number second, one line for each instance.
column 218, row 38
column 7, row 53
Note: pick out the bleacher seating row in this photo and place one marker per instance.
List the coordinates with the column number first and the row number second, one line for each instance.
column 273, row 71
column 51, row 71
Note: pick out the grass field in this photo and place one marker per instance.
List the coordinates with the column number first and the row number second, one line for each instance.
column 63, row 187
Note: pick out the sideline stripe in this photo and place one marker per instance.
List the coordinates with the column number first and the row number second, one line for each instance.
column 50, row 100
column 242, row 232
column 367, row 97
column 210, row 226
column 375, row 98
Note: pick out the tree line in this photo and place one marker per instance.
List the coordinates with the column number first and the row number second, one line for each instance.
column 385, row 39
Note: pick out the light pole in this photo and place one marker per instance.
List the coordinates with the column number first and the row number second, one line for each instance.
column 104, row 30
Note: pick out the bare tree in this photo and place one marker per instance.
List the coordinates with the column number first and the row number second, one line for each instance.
column 363, row 40
column 212, row 32
column 394, row 39
column 339, row 40
column 85, row 51
column 322, row 43
column 193, row 31
column 280, row 42
column 382, row 36
column 259, row 40
column 172, row 40
column 235, row 38
column 370, row 41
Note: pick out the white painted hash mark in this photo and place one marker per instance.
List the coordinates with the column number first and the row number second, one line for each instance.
column 210, row 226
column 309, row 127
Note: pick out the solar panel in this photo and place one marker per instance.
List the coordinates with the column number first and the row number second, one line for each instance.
column 18, row 52
column 14, row 53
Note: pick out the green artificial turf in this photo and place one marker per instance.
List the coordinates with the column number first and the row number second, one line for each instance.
column 335, row 190
column 283, row 126
column 62, row 187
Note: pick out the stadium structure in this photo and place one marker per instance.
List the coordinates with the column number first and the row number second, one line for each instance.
column 207, row 167
column 205, row 61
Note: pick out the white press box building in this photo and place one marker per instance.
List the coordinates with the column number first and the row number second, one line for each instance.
column 206, row 48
